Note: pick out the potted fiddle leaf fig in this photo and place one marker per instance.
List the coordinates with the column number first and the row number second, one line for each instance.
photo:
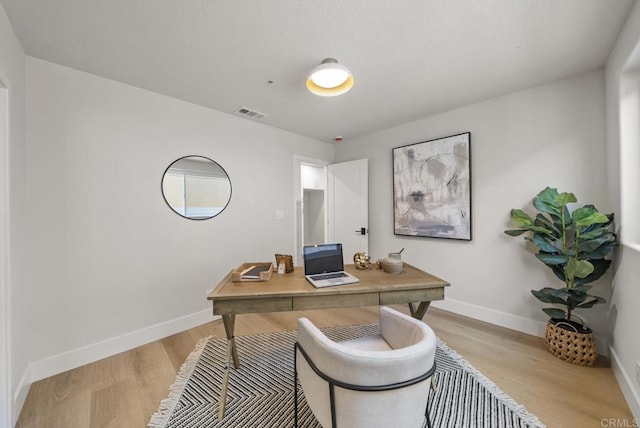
column 573, row 244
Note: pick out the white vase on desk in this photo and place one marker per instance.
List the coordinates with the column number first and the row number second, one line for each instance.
column 392, row 263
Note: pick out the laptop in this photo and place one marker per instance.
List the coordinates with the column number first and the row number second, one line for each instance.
column 324, row 267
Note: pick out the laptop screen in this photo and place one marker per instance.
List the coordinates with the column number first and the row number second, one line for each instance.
column 322, row 258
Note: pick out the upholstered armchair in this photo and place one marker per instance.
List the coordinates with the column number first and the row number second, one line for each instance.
column 373, row 381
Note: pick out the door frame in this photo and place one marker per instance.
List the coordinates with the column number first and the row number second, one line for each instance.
column 6, row 402
column 298, row 224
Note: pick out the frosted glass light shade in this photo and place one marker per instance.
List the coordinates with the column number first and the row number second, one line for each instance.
column 330, row 79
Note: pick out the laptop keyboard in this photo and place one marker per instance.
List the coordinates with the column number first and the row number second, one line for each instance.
column 328, row 276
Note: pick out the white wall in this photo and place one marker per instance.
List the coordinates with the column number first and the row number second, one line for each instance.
column 110, row 264
column 550, row 135
column 13, row 316
column 623, row 161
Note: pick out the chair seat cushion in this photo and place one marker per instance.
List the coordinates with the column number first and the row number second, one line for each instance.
column 367, row 343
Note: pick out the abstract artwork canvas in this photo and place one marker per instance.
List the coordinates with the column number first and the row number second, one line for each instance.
column 432, row 188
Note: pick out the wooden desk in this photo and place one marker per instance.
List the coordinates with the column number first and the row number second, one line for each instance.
column 292, row 292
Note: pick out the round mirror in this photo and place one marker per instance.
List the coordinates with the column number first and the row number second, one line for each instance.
column 196, row 187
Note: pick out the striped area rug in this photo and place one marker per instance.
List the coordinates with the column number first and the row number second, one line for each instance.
column 260, row 393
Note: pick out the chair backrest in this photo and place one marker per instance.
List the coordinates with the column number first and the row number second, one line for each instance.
column 373, row 388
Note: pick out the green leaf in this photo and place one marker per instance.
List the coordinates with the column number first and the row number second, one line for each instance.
column 584, row 212
column 581, row 289
column 515, row 232
column 521, row 219
column 594, row 218
column 591, row 245
column 555, row 313
column 578, row 268
column 594, row 233
column 543, row 244
column 542, row 221
column 575, row 298
column 594, row 226
column 539, row 229
column 600, row 268
column 565, row 198
column 600, row 252
column 548, row 295
column 561, row 293
column 545, row 201
column 594, row 301
column 552, row 259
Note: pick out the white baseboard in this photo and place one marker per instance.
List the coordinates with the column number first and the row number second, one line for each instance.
column 87, row 354
column 503, row 319
column 492, row 316
column 20, row 395
column 625, row 381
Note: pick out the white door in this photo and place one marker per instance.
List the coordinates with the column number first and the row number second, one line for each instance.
column 348, row 206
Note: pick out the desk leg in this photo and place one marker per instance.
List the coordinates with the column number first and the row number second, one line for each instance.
column 418, row 313
column 229, row 326
column 232, row 354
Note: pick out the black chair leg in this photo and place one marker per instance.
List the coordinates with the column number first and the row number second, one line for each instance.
column 295, row 389
column 426, row 412
column 426, row 415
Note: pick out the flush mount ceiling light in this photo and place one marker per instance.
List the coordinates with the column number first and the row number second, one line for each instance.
column 330, row 79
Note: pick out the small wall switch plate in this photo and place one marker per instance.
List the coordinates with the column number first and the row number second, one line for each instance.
column 279, row 214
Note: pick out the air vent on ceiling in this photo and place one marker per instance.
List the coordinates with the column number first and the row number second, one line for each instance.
column 252, row 114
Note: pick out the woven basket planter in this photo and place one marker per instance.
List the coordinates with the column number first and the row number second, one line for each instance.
column 565, row 342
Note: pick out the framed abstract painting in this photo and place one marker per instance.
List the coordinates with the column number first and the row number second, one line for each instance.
column 432, row 188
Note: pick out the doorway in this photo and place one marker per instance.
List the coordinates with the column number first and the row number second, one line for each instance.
column 331, row 205
column 310, row 178
column 314, row 179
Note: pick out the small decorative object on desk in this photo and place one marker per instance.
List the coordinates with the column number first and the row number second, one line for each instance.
column 288, row 262
column 393, row 263
column 361, row 260
column 252, row 271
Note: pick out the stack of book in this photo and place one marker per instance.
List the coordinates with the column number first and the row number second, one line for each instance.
column 253, row 271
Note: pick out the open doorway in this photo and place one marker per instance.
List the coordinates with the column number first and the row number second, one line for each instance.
column 310, row 195
column 314, row 179
column 331, row 205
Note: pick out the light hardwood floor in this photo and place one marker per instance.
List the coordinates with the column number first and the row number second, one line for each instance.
column 124, row 390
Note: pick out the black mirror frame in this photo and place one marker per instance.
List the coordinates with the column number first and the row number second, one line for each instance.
column 196, row 218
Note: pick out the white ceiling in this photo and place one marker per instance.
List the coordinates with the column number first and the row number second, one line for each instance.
column 410, row 58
